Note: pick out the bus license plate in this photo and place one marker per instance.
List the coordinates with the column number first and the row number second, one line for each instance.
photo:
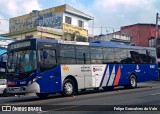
column 16, row 89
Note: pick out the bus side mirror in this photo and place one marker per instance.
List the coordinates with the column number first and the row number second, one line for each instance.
column 45, row 54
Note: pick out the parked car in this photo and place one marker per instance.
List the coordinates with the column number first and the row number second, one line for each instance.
column 3, row 86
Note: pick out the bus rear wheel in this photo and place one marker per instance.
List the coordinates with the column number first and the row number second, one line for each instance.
column 68, row 88
column 132, row 82
column 42, row 95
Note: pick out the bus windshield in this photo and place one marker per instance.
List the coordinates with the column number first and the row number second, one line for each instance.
column 22, row 61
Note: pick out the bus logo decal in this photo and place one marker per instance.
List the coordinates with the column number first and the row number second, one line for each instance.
column 65, row 68
column 97, row 68
column 137, row 69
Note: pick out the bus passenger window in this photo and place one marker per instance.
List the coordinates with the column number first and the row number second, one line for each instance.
column 67, row 54
column 96, row 55
column 120, row 55
column 47, row 57
column 151, row 57
column 108, row 55
column 134, row 57
column 143, row 58
column 82, row 55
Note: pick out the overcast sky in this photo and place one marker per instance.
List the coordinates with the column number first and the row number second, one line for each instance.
column 107, row 13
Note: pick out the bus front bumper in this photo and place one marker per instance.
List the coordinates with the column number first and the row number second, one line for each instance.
column 33, row 88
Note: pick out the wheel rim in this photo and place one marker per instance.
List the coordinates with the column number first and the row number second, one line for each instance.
column 133, row 82
column 68, row 88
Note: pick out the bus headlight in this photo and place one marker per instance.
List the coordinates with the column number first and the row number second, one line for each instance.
column 29, row 83
column 32, row 81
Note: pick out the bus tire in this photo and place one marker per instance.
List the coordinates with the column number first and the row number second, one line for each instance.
column 42, row 95
column 132, row 82
column 68, row 88
column 5, row 93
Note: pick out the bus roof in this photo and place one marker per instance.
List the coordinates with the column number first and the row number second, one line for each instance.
column 98, row 44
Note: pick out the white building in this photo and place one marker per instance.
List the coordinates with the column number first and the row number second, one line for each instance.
column 67, row 22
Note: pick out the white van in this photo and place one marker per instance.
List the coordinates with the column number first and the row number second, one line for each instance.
column 3, row 86
column 3, row 81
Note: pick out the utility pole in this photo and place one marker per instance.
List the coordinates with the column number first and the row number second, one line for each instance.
column 101, row 30
column 156, row 31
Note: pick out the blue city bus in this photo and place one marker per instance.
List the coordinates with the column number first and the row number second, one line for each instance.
column 44, row 66
column 4, row 41
column 3, row 59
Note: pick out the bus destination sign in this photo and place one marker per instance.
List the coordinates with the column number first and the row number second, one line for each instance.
column 20, row 45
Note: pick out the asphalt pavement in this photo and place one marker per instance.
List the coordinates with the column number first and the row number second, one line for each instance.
column 146, row 94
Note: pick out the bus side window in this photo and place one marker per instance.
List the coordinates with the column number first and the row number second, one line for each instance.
column 120, row 55
column 142, row 56
column 151, row 57
column 3, row 60
column 134, row 55
column 82, row 55
column 47, row 57
column 67, row 54
column 108, row 55
column 96, row 55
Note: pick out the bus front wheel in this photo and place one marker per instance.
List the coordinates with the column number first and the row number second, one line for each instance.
column 42, row 95
column 68, row 88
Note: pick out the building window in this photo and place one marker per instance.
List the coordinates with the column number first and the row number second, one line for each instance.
column 68, row 19
column 80, row 23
